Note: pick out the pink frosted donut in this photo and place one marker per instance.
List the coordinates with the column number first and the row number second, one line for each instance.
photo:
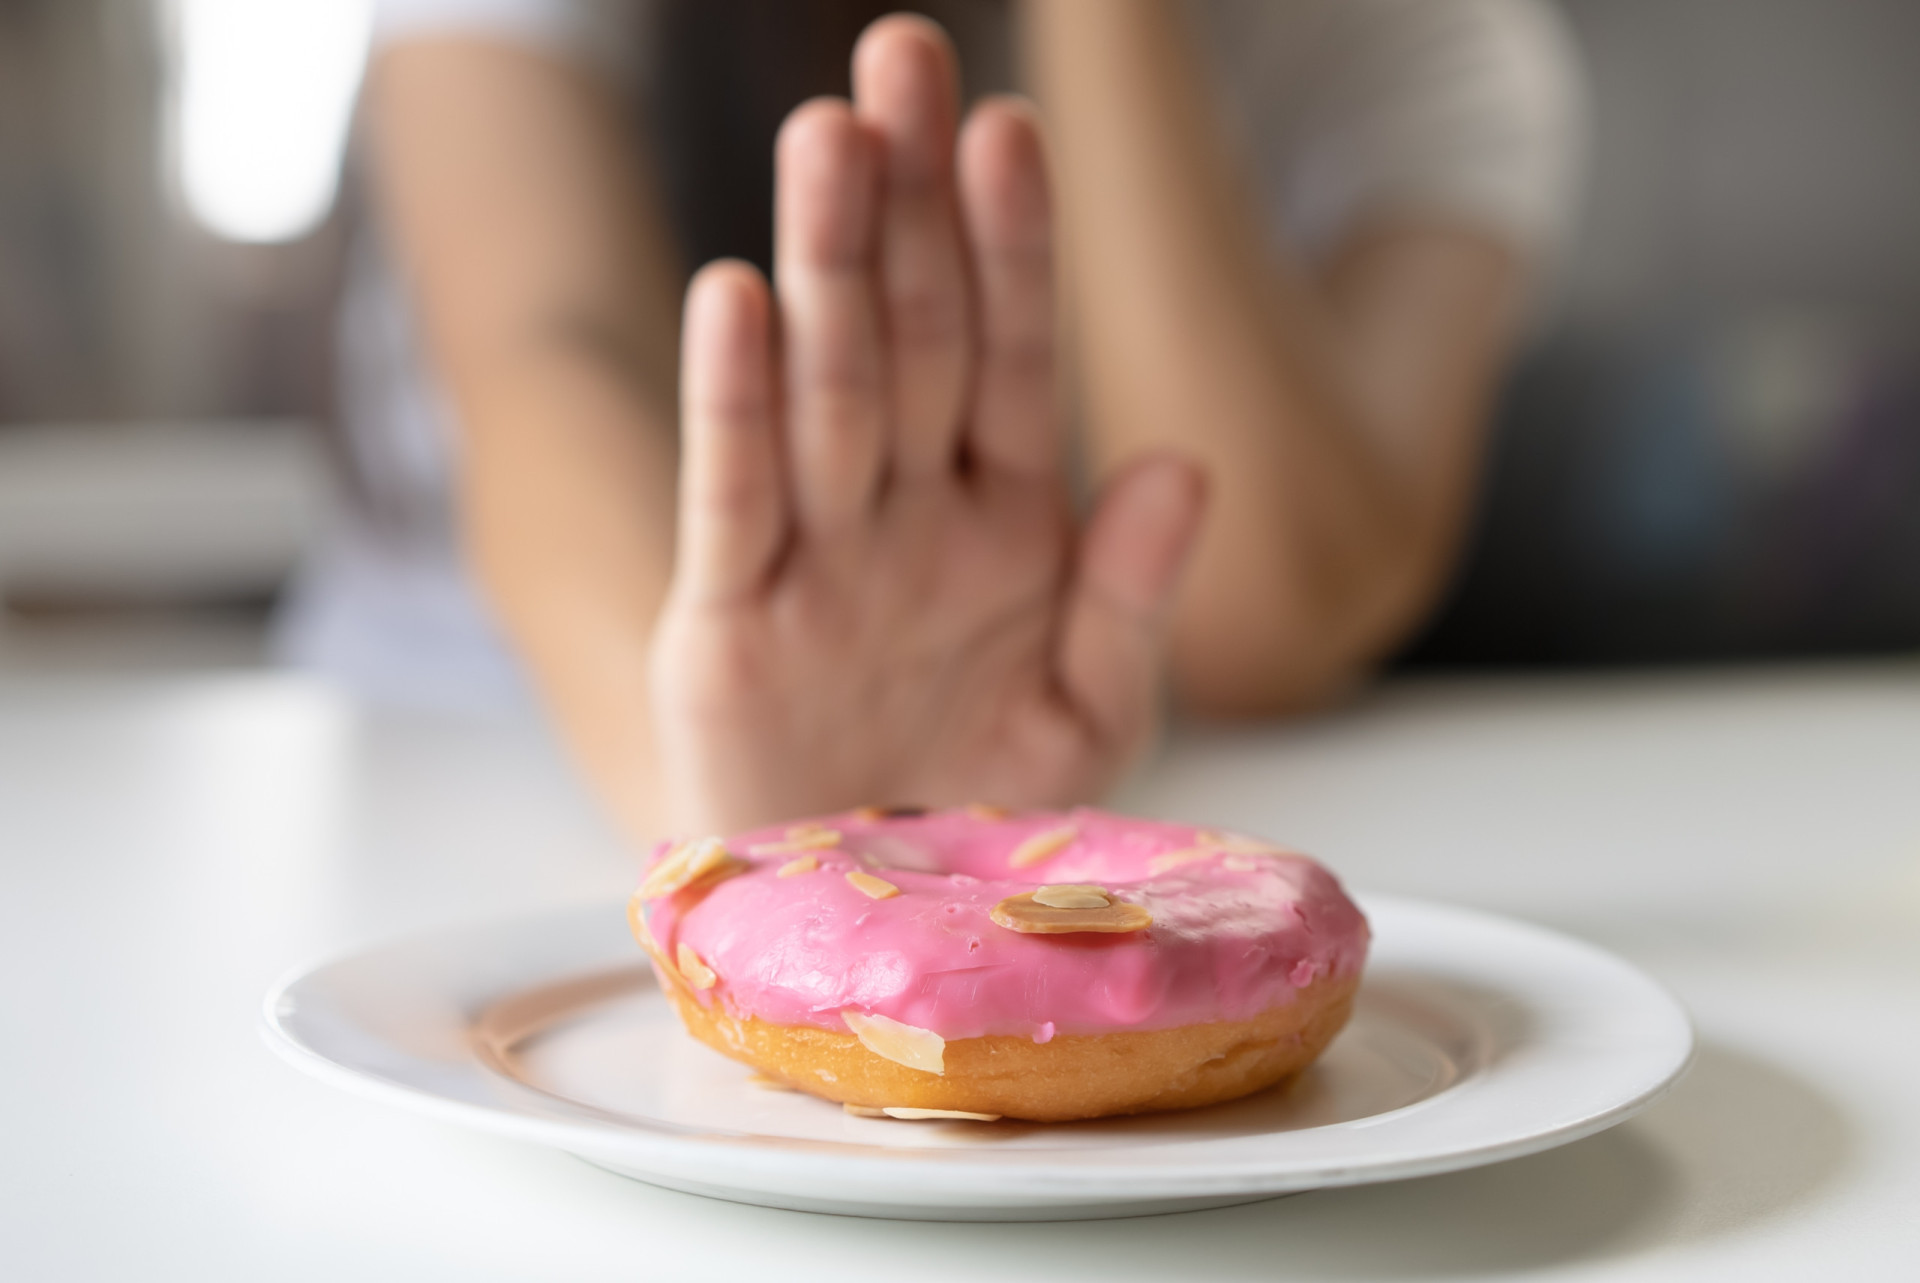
column 968, row 962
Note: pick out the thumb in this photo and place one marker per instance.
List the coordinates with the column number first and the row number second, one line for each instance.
column 1127, row 569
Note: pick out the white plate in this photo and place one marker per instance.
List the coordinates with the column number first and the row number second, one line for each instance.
column 1475, row 1039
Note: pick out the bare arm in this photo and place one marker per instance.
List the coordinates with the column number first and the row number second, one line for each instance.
column 1338, row 416
column 549, row 297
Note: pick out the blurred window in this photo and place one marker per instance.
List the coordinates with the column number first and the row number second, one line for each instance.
column 262, row 93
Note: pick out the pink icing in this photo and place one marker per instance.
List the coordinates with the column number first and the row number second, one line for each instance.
column 1233, row 934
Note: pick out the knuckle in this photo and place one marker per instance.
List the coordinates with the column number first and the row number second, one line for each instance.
column 1023, row 362
column 837, row 412
column 734, row 497
column 924, row 317
column 729, row 402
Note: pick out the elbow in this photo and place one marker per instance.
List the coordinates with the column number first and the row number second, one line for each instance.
column 1299, row 643
column 1261, row 679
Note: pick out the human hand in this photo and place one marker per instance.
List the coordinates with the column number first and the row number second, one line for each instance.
column 881, row 591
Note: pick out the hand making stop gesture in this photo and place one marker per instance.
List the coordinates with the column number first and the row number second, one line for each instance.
column 882, row 592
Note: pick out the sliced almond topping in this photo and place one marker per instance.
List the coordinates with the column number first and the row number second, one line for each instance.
column 911, row 1114
column 637, row 920
column 1174, row 859
column 1023, row 913
column 765, row 1083
column 867, row 814
column 1072, row 897
column 801, row 837
column 868, row 885
column 799, row 864
column 685, row 864
column 902, row 1044
column 1042, row 845
column 698, row 973
column 1239, row 843
column 644, row 935
column 986, row 811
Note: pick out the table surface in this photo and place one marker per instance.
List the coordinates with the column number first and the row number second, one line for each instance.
column 168, row 849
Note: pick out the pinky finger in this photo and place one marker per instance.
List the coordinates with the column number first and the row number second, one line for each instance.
column 733, row 503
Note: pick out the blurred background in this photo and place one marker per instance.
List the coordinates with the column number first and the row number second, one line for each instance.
column 1711, row 452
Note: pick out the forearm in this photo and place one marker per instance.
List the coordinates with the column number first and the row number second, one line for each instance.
column 1193, row 334
column 566, row 492
column 548, row 290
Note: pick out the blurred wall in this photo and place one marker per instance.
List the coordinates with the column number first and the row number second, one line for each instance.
column 113, row 304
column 159, row 387
column 1714, row 450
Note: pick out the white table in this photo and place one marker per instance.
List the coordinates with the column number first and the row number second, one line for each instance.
column 168, row 849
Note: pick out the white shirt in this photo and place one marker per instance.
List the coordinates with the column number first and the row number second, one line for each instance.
column 1469, row 111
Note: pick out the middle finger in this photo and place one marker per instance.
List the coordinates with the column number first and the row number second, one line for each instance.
column 905, row 92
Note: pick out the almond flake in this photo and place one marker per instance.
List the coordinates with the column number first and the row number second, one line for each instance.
column 1072, row 897
column 1174, row 859
column 986, row 811
column 799, row 864
column 637, row 919
column 868, row 885
column 644, row 935
column 885, row 1037
column 1239, row 843
column 867, row 814
column 1041, row 846
column 1024, row 914
column 915, row 1115
column 698, row 973
column 864, row 1111
column 686, row 863
column 801, row 837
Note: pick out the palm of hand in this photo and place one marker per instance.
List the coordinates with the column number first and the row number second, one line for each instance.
column 880, row 593
column 914, row 666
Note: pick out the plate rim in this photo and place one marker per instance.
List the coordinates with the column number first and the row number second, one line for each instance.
column 967, row 1177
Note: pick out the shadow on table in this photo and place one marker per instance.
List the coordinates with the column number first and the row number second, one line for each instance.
column 1738, row 1142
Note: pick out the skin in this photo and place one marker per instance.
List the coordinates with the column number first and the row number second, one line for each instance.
column 1339, row 418
column 547, row 290
column 872, row 585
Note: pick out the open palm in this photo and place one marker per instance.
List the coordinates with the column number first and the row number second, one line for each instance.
column 882, row 592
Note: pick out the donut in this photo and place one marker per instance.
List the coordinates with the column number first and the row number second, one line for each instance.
column 970, row 963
